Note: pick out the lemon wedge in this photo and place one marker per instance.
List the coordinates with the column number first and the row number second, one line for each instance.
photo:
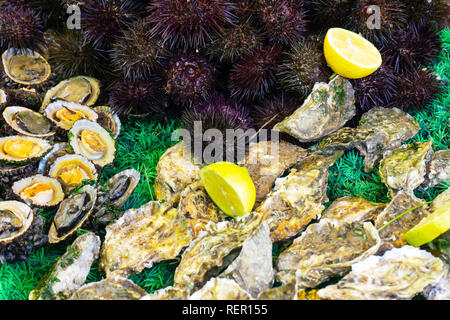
column 230, row 187
column 349, row 54
column 430, row 227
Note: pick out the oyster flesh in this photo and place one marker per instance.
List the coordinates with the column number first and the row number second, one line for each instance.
column 113, row 288
column 22, row 149
column 25, row 66
column 168, row 293
column 400, row 273
column 220, row 289
column 70, row 271
column 351, row 209
column 39, row 190
column 71, row 170
column 142, row 237
column 28, row 122
column 325, row 110
column 439, row 169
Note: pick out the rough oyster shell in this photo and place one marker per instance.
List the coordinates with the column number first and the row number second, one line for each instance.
column 108, row 120
column 25, row 66
column 404, row 168
column 393, row 234
column 343, row 139
column 299, row 197
column 90, row 140
column 113, row 288
column 58, row 150
column 39, row 190
column 27, row 122
column 220, row 289
column 381, row 130
column 72, row 214
column 174, row 172
column 325, row 250
column 70, row 271
column 286, row 291
column 22, row 149
column 15, row 220
column 439, row 169
column 351, row 209
column 10, row 173
column 399, row 274
column 64, row 114
column 325, row 110
column 142, row 237
column 267, row 160
column 168, row 293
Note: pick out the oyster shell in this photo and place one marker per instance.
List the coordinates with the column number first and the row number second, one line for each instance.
column 15, row 220
column 10, row 173
column 72, row 214
column 399, row 274
column 404, row 168
column 174, row 172
column 28, row 122
column 70, row 271
column 266, row 161
column 441, row 290
column 220, row 289
column 168, row 293
column 286, row 291
column 351, row 209
column 25, row 66
column 39, row 190
column 325, row 250
column 393, row 234
column 64, row 114
column 113, row 288
column 298, row 198
column 343, row 139
column 381, row 130
column 108, row 120
column 439, row 169
column 142, row 237
column 58, row 150
column 22, row 149
column 325, row 110
column 71, row 170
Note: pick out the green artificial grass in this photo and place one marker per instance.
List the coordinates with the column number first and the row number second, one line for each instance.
column 141, row 143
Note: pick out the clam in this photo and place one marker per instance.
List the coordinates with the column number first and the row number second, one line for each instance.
column 28, row 122
column 15, row 219
column 64, row 114
column 108, row 120
column 90, row 140
column 72, row 213
column 25, row 66
column 39, row 190
column 22, row 149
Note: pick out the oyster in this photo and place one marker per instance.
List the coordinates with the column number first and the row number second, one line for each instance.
column 90, row 140
column 22, row 149
column 15, row 220
column 58, row 150
column 343, row 139
column 299, row 197
column 28, row 122
column 284, row 292
column 113, row 288
column 71, row 170
column 441, row 290
column 80, row 90
column 220, row 289
column 404, row 168
column 142, row 237
column 70, row 271
column 399, row 274
column 25, row 66
column 72, row 214
column 64, row 114
column 252, row 270
column 325, row 250
column 439, row 169
column 108, row 120
column 168, row 293
column 381, row 130
column 174, row 172
column 196, row 205
column 392, row 235
column 38, row 190
column 266, row 161
column 325, row 110
column 351, row 209
column 213, row 250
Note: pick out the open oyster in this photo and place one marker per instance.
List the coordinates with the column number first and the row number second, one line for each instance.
column 39, row 190
column 58, row 150
column 399, row 274
column 80, row 90
column 70, row 271
column 266, row 161
column 404, row 168
column 90, row 140
column 174, row 172
column 298, row 198
column 108, row 120
column 72, row 214
column 25, row 66
column 28, row 122
column 220, row 289
column 343, row 139
column 71, row 170
column 325, row 250
column 112, row 288
column 64, row 114
column 325, row 110
column 392, row 235
column 351, row 209
column 142, row 237
column 22, row 149
column 439, row 169
column 168, row 293
column 381, row 130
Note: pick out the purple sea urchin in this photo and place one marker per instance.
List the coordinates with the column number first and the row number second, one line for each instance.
column 189, row 78
column 255, row 75
column 325, row 14
column 189, row 23
column 270, row 112
column 429, row 10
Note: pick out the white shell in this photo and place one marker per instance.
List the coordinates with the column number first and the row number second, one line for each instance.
column 53, row 107
column 46, row 199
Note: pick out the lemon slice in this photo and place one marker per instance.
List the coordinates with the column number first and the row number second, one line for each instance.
column 430, row 227
column 350, row 55
column 230, row 187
